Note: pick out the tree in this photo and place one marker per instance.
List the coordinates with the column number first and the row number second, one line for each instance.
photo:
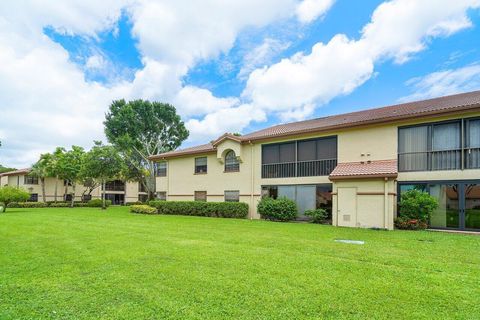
column 69, row 166
column 12, row 194
column 41, row 170
column 54, row 169
column 102, row 163
column 140, row 129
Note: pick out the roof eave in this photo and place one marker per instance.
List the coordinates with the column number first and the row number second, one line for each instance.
column 363, row 176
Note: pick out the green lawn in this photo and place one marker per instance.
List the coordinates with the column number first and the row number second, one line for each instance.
column 84, row 263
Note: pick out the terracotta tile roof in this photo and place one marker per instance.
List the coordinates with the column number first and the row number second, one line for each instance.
column 204, row 148
column 16, row 172
column 436, row 106
column 463, row 101
column 367, row 169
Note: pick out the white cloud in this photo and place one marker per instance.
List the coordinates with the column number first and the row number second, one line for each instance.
column 224, row 120
column 445, row 82
column 197, row 101
column 261, row 56
column 397, row 30
column 309, row 10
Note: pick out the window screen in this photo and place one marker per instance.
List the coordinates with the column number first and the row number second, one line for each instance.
column 162, row 169
column 232, row 196
column 307, row 150
column 201, row 165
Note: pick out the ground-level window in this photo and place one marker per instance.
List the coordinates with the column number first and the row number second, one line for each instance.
column 30, row 180
column 200, row 195
column 142, row 197
column 458, row 203
column 87, row 197
column 33, row 197
column 68, row 197
column 161, row 195
column 201, row 165
column 307, row 197
column 232, row 196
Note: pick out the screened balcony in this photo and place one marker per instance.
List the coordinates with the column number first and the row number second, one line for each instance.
column 440, row 146
column 302, row 158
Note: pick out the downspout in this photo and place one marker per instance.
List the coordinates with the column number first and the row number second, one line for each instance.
column 386, row 222
column 252, row 185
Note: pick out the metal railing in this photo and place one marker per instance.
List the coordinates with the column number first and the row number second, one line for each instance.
column 114, row 187
column 299, row 169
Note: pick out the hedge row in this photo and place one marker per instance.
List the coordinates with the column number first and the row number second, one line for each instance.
column 92, row 203
column 203, row 209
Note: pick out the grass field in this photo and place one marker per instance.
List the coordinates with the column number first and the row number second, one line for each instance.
column 84, row 263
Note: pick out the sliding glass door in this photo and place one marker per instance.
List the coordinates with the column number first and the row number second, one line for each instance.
column 458, row 203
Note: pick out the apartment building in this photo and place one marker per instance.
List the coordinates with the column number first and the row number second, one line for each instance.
column 356, row 165
column 119, row 192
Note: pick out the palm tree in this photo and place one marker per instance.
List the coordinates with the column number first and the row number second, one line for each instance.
column 41, row 170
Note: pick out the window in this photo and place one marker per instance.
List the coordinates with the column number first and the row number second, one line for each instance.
column 306, row 196
column 116, row 185
column 162, row 195
column 231, row 162
column 201, row 165
column 436, row 146
column 162, row 169
column 472, row 144
column 232, row 196
column 302, row 158
column 68, row 197
column 67, row 183
column 33, row 197
column 87, row 197
column 142, row 197
column 141, row 187
column 30, row 180
column 200, row 195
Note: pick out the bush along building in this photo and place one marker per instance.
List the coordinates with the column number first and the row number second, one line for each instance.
column 354, row 165
column 118, row 191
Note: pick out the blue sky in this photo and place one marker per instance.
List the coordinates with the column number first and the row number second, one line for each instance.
column 233, row 68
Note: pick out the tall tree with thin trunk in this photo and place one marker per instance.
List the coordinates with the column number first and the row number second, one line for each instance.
column 41, row 170
column 69, row 166
column 102, row 163
column 140, row 129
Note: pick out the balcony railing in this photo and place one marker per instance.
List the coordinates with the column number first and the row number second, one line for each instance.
column 299, row 169
column 430, row 160
column 114, row 187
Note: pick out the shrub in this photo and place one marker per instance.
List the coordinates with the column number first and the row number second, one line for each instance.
column 12, row 194
column 203, row 209
column 27, row 205
column 142, row 208
column 59, row 205
column 410, row 224
column 317, row 215
column 134, row 203
column 416, row 207
column 97, row 203
column 281, row 209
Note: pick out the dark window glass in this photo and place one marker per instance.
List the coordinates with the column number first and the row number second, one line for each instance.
column 201, row 165
column 161, row 169
column 307, row 150
column 270, row 153
column 142, row 197
column 87, row 197
column 231, row 162
column 161, row 195
column 30, row 180
column 141, row 187
column 200, row 195
column 327, row 148
column 287, row 152
column 68, row 197
column 472, row 152
column 116, row 185
column 33, row 197
column 232, row 196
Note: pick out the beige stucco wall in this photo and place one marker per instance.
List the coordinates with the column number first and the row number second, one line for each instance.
column 131, row 189
column 373, row 142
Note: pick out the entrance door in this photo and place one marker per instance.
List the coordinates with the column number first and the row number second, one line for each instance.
column 472, row 206
column 306, row 199
column 347, row 207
